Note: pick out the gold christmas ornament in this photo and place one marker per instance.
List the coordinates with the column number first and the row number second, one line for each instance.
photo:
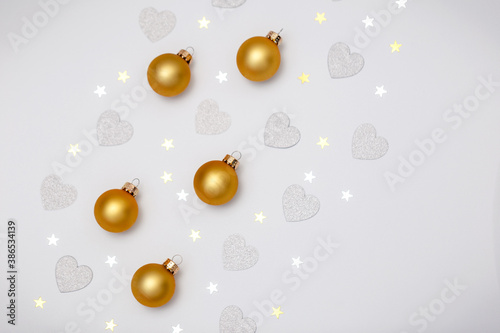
column 169, row 74
column 153, row 285
column 116, row 210
column 216, row 182
column 259, row 58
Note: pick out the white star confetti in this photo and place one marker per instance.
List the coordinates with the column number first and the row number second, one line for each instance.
column 100, row 91
column 111, row 261
column 168, row 144
column 212, row 288
column 296, row 262
column 182, row 195
column 368, row 21
column 401, row 3
column 177, row 329
column 195, row 235
column 52, row 240
column 346, row 195
column 221, row 77
column 309, row 177
column 380, row 91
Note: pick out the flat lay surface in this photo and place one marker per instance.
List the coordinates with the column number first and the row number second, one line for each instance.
column 367, row 191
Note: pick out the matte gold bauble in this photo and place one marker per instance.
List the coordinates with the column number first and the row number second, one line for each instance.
column 116, row 210
column 169, row 74
column 216, row 182
column 153, row 285
column 259, row 58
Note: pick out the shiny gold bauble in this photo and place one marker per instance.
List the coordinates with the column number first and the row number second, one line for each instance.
column 258, row 58
column 153, row 285
column 216, row 182
column 116, row 210
column 169, row 74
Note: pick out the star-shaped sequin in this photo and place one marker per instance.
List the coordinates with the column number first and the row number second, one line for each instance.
column 111, row 261
column 168, row 144
column 182, row 195
column 297, row 262
column 212, row 288
column 304, row 77
column 395, row 46
column 380, row 91
column 320, row 17
column 203, row 23
column 73, row 149
column 167, row 177
column 346, row 195
column 221, row 77
column 259, row 217
column 110, row 325
column 100, row 91
column 323, row 142
column 195, row 235
column 177, row 329
column 368, row 21
column 123, row 76
column 277, row 312
column 39, row 302
column 53, row 240
column 401, row 3
column 309, row 177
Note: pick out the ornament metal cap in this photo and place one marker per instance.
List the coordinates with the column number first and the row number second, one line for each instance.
column 185, row 55
column 231, row 161
column 171, row 266
column 130, row 188
column 274, row 36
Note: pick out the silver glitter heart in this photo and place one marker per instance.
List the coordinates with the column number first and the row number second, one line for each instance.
column 227, row 3
column 111, row 131
column 342, row 63
column 236, row 256
column 71, row 277
column 156, row 25
column 297, row 206
column 279, row 133
column 209, row 120
column 232, row 321
column 366, row 145
column 55, row 194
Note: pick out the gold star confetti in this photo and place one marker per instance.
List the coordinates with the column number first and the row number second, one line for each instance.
column 39, row 302
column 395, row 46
column 168, row 144
column 322, row 142
column 195, row 235
column 304, row 77
column 74, row 149
column 123, row 76
column 277, row 312
column 320, row 17
column 167, row 177
column 110, row 325
column 203, row 23
column 259, row 217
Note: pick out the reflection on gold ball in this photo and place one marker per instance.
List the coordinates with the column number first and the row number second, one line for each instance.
column 169, row 74
column 258, row 58
column 153, row 285
column 116, row 210
column 215, row 182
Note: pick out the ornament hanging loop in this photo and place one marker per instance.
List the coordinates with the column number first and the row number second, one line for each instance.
column 239, row 153
column 192, row 50
column 136, row 180
column 178, row 262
